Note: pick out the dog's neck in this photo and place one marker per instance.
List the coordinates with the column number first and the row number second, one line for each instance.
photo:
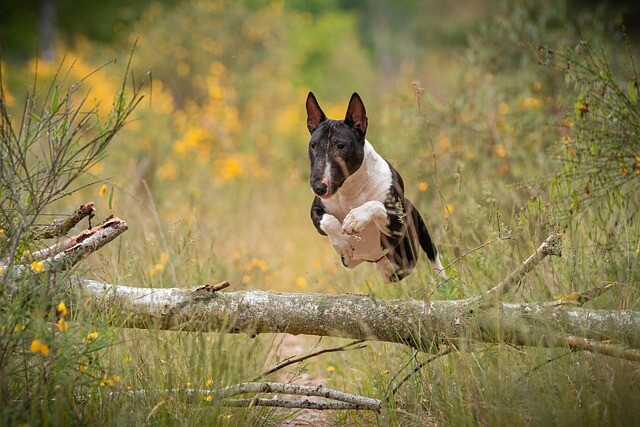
column 371, row 180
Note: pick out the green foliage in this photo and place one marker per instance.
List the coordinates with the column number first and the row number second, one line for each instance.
column 601, row 163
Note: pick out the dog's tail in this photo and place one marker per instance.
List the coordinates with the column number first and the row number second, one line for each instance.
column 428, row 246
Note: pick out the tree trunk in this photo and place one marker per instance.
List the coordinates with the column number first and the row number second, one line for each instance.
column 423, row 325
column 46, row 30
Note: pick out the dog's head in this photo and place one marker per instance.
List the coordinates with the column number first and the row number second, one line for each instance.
column 336, row 148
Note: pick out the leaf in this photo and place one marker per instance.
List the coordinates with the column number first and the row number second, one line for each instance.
column 632, row 91
column 34, row 116
column 56, row 96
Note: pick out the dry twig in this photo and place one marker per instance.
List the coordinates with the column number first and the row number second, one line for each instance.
column 358, row 345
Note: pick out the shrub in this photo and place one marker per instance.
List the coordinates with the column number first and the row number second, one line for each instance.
column 44, row 157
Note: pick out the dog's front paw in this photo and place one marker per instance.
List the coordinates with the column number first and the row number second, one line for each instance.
column 356, row 221
column 360, row 217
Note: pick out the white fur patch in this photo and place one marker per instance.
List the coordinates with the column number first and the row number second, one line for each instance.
column 358, row 206
column 437, row 266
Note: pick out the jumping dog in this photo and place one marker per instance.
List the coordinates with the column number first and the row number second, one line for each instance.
column 359, row 197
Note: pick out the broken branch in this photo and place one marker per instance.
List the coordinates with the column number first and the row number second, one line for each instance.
column 63, row 256
column 61, row 227
column 551, row 246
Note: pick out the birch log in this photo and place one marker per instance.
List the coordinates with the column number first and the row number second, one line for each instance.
column 423, row 325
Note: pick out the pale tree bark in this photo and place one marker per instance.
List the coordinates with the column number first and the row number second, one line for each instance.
column 423, row 325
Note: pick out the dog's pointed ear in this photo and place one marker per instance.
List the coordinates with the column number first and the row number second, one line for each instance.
column 356, row 114
column 315, row 115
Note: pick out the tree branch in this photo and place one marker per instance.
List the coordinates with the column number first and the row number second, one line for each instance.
column 614, row 350
column 342, row 400
column 300, row 390
column 61, row 227
column 64, row 255
column 292, row 404
column 551, row 246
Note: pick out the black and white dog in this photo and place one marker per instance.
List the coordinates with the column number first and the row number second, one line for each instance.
column 360, row 203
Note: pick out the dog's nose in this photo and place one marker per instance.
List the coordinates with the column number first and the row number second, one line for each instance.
column 320, row 188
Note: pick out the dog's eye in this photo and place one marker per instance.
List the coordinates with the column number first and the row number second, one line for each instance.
column 340, row 146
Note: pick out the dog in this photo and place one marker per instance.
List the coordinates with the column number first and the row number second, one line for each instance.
column 359, row 198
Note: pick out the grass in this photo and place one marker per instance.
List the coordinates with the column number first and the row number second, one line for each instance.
column 218, row 190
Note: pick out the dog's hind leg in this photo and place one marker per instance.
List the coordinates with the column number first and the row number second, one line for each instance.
column 350, row 262
column 391, row 272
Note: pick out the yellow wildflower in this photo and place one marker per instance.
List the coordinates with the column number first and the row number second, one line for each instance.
column 103, row 189
column 423, row 186
column 209, row 383
column 39, row 347
column 110, row 381
column 37, row 266
column 207, row 398
column 229, row 168
column 192, row 139
column 532, row 102
column 444, row 142
column 168, row 171
column 90, row 336
column 301, row 282
column 63, row 325
column 259, row 263
column 62, row 308
column 164, row 257
column 331, row 368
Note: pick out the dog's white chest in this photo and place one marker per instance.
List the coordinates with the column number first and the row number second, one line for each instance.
column 371, row 182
